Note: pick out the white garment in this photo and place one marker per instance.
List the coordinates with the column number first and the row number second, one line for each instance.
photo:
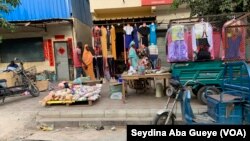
column 128, row 29
column 197, row 33
column 153, row 50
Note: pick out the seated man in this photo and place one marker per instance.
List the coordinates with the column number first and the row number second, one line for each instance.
column 12, row 66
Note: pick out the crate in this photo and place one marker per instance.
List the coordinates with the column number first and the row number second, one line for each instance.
column 247, row 114
column 115, row 87
column 218, row 111
column 42, row 85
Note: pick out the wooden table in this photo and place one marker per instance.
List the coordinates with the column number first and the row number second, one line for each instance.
column 125, row 77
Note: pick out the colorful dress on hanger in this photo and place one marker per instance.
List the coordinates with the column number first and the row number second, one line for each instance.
column 96, row 33
column 108, row 38
column 202, row 41
column 135, row 36
column 128, row 35
column 144, row 31
column 153, row 39
column 113, row 41
column 104, row 42
column 177, row 44
column 234, row 39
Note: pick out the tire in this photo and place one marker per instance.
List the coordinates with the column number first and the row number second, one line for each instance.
column 201, row 93
column 34, row 91
column 161, row 119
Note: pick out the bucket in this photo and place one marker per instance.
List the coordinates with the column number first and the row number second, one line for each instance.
column 159, row 90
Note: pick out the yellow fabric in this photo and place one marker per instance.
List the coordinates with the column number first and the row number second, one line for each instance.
column 87, row 57
column 113, row 41
column 104, row 42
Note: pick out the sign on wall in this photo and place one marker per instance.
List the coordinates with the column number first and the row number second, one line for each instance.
column 156, row 2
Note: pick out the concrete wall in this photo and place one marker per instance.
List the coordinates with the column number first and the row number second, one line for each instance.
column 52, row 30
column 82, row 32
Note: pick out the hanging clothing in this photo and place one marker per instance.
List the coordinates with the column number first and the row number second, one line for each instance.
column 108, row 39
column 104, row 42
column 135, row 36
column 233, row 50
column 178, row 51
column 113, row 42
column 96, row 33
column 153, row 39
column 128, row 35
column 234, row 39
column 98, row 66
column 144, row 31
column 216, row 44
column 177, row 44
column 87, row 57
column 202, row 40
column 153, row 54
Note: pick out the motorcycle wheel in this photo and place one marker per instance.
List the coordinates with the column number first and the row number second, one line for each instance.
column 34, row 91
column 201, row 94
column 161, row 119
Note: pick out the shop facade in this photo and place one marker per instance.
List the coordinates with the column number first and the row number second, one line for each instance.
column 45, row 34
column 136, row 12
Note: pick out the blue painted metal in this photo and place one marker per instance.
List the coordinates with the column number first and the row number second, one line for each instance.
column 32, row 10
column 35, row 10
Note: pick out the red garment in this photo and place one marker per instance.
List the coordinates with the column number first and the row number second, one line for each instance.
column 216, row 45
column 77, row 52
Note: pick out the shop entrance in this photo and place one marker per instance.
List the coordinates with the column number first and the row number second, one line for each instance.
column 62, row 62
column 120, row 62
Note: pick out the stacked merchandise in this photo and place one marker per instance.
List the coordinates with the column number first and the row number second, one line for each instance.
column 68, row 93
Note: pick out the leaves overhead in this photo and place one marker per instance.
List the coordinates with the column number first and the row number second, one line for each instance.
column 5, row 7
column 208, row 7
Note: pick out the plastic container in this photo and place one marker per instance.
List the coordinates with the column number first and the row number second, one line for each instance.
column 141, row 70
column 115, row 87
column 116, row 96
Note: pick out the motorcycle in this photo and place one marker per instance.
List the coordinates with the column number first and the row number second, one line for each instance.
column 26, row 84
column 229, row 111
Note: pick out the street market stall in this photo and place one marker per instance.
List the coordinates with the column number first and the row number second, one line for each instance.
column 128, row 77
column 71, row 92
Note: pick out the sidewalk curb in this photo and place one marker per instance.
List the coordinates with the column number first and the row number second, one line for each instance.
column 79, row 118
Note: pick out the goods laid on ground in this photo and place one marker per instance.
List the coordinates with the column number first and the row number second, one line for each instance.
column 68, row 94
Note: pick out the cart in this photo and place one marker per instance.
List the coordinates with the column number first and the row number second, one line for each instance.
column 24, row 85
column 231, row 106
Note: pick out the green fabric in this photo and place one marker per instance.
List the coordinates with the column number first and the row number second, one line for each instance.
column 133, row 57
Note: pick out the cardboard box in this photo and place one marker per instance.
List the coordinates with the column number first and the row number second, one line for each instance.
column 42, row 85
column 12, row 78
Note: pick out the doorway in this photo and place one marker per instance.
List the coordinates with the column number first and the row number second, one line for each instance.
column 62, row 61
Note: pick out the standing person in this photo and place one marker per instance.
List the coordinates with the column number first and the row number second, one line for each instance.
column 87, row 58
column 77, row 58
column 132, row 55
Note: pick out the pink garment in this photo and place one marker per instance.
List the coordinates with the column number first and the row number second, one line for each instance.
column 77, row 52
column 189, row 44
column 216, row 45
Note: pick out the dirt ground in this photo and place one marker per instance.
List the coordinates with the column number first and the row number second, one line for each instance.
column 20, row 126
